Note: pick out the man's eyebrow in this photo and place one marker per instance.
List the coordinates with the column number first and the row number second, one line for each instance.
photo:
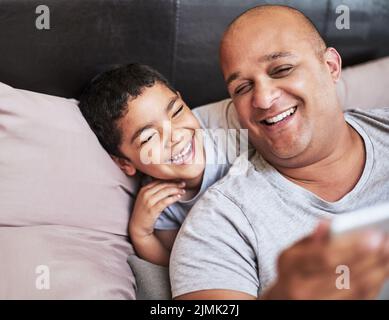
column 148, row 126
column 275, row 55
column 232, row 77
column 266, row 58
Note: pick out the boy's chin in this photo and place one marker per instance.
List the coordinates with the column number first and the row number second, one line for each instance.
column 188, row 171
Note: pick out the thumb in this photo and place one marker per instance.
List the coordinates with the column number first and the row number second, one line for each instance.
column 322, row 231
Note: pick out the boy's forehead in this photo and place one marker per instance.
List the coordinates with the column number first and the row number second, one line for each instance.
column 147, row 108
column 154, row 97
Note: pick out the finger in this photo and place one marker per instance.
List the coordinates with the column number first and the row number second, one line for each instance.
column 356, row 247
column 322, row 231
column 150, row 185
column 365, row 285
column 164, row 193
column 330, row 289
column 157, row 188
column 342, row 250
column 164, row 203
column 370, row 283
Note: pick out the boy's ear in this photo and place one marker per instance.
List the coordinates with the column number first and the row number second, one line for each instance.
column 125, row 165
column 178, row 94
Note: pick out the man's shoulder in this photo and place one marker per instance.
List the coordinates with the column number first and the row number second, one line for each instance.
column 245, row 174
column 375, row 122
column 220, row 114
column 380, row 114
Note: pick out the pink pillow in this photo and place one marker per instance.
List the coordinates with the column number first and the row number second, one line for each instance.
column 365, row 86
column 54, row 173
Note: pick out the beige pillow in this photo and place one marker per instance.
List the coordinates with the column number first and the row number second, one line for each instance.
column 365, row 86
column 64, row 203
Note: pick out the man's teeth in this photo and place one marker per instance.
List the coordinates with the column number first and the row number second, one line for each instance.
column 280, row 116
column 179, row 158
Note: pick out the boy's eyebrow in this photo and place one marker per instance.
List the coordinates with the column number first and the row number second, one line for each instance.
column 171, row 103
column 148, row 126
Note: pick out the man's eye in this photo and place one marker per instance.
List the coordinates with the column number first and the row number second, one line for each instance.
column 282, row 71
column 178, row 111
column 146, row 140
column 242, row 89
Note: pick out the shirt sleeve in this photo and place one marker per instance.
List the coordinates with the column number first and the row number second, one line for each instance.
column 215, row 249
column 167, row 221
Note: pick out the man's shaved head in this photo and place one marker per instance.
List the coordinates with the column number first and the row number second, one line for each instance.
column 306, row 26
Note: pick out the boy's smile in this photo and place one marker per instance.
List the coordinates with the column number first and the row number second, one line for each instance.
column 186, row 155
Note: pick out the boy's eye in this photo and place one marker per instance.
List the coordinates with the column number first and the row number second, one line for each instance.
column 146, row 140
column 178, row 111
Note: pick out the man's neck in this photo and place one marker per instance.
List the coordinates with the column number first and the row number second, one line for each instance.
column 336, row 174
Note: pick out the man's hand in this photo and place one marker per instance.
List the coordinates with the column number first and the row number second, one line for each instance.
column 307, row 270
column 151, row 200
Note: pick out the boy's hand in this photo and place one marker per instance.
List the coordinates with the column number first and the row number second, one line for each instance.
column 152, row 199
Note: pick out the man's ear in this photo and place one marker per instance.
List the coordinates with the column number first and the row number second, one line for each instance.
column 333, row 61
column 125, row 165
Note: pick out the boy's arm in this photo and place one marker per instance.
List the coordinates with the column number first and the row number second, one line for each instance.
column 156, row 248
column 166, row 237
column 151, row 249
column 152, row 199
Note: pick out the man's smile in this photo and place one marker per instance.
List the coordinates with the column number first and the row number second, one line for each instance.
column 278, row 120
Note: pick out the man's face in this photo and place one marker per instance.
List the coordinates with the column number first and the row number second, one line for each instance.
column 283, row 93
column 159, row 136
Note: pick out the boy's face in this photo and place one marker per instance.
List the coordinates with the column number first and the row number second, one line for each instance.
column 159, row 136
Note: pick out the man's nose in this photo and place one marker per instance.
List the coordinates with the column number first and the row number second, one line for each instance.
column 265, row 95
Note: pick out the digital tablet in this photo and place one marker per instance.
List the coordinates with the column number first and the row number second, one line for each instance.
column 369, row 218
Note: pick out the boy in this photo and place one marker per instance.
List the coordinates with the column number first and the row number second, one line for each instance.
column 145, row 126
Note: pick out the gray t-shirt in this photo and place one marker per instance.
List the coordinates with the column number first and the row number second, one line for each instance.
column 233, row 235
column 217, row 120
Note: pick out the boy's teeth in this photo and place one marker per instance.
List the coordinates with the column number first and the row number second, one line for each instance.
column 179, row 158
column 280, row 116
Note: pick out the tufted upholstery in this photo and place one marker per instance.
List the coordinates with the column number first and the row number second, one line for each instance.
column 178, row 37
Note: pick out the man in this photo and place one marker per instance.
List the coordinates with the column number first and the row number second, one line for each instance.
column 242, row 239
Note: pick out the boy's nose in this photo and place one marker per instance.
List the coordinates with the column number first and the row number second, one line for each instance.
column 176, row 136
